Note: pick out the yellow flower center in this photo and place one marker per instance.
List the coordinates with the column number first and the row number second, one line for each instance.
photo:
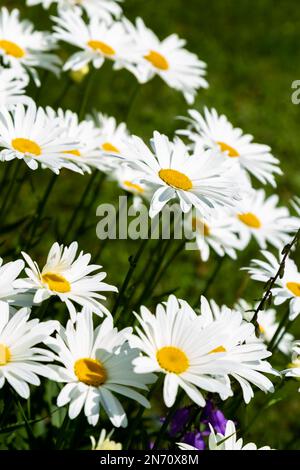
column 218, row 349
column 294, row 287
column 90, row 371
column 108, row 147
column 74, row 152
column 176, row 179
column 102, row 47
column 133, row 187
column 109, row 445
column 56, row 282
column 231, row 152
column 157, row 60
column 172, row 359
column 11, row 48
column 261, row 329
column 250, row 219
column 26, row 146
column 5, row 355
column 201, row 226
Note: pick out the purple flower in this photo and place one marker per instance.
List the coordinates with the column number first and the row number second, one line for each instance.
column 179, row 421
column 194, row 439
column 215, row 417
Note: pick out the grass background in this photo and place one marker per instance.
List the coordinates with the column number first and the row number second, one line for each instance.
column 251, row 48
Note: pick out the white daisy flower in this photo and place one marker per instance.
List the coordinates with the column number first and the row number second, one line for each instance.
column 229, row 441
column 104, row 9
column 129, row 180
column 216, row 232
column 179, row 68
column 19, row 355
column 12, row 88
column 287, row 286
column 267, row 325
column 243, row 358
column 259, row 216
column 23, row 48
column 97, row 40
column 87, row 153
column 27, row 133
column 174, row 343
column 113, row 135
column 69, row 278
column 203, row 179
column 216, row 132
column 294, row 367
column 9, row 272
column 105, row 442
column 96, row 364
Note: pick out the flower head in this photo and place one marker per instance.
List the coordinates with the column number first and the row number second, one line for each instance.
column 20, row 357
column 69, row 278
column 96, row 365
column 21, row 47
column 202, row 180
column 216, row 132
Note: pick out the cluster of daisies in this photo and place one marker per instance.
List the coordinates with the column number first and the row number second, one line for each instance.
column 208, row 168
column 100, row 33
column 198, row 353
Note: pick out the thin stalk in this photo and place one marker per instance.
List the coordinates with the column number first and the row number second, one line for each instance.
column 168, row 419
column 137, row 420
column 86, row 95
column 274, row 343
column 211, row 278
column 80, row 204
column 8, row 193
column 40, row 210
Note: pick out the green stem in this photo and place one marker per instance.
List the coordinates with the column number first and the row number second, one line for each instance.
column 274, row 343
column 79, row 206
column 211, row 278
column 168, row 419
column 8, row 193
column 63, row 432
column 40, row 210
column 137, row 420
column 86, row 95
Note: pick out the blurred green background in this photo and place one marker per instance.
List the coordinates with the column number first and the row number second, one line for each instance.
column 252, row 52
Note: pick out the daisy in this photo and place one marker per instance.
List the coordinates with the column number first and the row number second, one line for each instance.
column 287, row 286
column 27, row 133
column 104, row 9
column 229, row 441
column 168, row 59
column 23, row 48
column 9, row 272
column 96, row 365
column 20, row 357
column 174, row 344
column 243, row 358
column 267, row 324
column 113, row 135
column 12, row 88
column 203, row 180
column 259, row 216
column 86, row 154
column 129, row 180
column 226, row 441
column 215, row 131
column 104, row 442
column 216, row 232
column 97, row 40
column 294, row 367
column 69, row 278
